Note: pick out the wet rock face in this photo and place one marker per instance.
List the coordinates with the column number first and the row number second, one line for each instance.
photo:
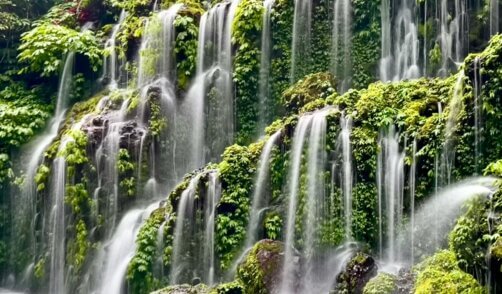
column 495, row 262
column 261, row 271
column 357, row 273
column 98, row 127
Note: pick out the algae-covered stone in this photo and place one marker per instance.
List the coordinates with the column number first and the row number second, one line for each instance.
column 360, row 269
column 308, row 89
column 441, row 274
column 184, row 289
column 383, row 283
column 260, row 272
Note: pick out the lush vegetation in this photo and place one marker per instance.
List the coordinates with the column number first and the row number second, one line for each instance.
column 38, row 37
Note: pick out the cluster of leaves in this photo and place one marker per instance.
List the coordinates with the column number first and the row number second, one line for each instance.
column 140, row 270
column 22, row 114
column 43, row 47
column 237, row 173
column 441, row 274
column 9, row 20
column 246, row 28
column 187, row 31
column 383, row 283
column 126, row 169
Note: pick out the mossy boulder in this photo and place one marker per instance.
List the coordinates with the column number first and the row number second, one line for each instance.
column 260, row 272
column 360, row 269
column 383, row 283
column 440, row 273
column 308, row 89
column 234, row 287
column 184, row 289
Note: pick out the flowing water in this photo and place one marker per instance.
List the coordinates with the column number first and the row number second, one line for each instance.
column 111, row 63
column 119, row 250
column 494, row 17
column 311, row 131
column 341, row 58
column 300, row 47
column 451, row 35
column 400, row 51
column 25, row 204
column 430, row 226
column 264, row 101
column 344, row 139
column 194, row 237
column 390, row 185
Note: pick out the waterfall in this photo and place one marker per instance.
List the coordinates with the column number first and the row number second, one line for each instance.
column 194, row 232
column 390, row 183
column 209, row 105
column 494, row 17
column 57, row 224
column 265, row 62
column 341, row 46
column 300, row 47
column 344, row 141
column 260, row 192
column 450, row 37
column 24, row 203
column 311, row 130
column 400, row 61
column 212, row 200
column 429, row 225
column 258, row 200
column 111, row 66
column 119, row 250
column 412, row 188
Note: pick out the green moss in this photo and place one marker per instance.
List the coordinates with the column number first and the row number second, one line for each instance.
column 262, row 263
column 381, row 284
column 234, row 287
column 139, row 273
column 441, row 274
column 246, row 34
column 309, row 89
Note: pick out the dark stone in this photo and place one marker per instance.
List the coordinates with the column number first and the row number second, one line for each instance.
column 195, row 281
column 260, row 272
column 360, row 269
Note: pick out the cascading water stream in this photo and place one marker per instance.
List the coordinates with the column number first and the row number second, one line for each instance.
column 57, row 225
column 390, row 183
column 193, row 232
column 344, row 141
column 212, row 200
column 111, row 68
column 311, row 130
column 450, row 38
column 400, row 61
column 25, row 203
column 57, row 217
column 258, row 200
column 494, row 17
column 212, row 118
column 119, row 251
column 265, row 63
column 300, row 47
column 429, row 226
column 341, row 46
